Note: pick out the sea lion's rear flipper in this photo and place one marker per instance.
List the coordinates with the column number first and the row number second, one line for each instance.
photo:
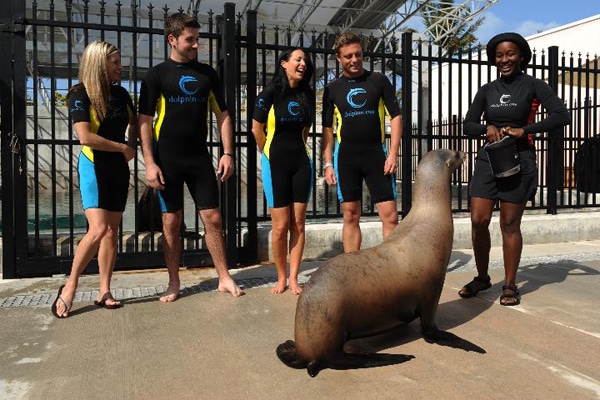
column 443, row 338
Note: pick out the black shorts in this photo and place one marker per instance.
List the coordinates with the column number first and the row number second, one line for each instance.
column 198, row 174
column 352, row 164
column 518, row 188
column 288, row 180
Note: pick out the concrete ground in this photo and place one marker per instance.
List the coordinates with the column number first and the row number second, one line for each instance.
column 209, row 345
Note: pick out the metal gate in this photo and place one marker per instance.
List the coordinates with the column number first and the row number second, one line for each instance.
column 40, row 45
column 41, row 218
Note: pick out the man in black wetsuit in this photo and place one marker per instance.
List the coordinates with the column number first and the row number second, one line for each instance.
column 357, row 102
column 181, row 92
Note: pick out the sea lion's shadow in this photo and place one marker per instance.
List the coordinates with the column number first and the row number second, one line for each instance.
column 407, row 333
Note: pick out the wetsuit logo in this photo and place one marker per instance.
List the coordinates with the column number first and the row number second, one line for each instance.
column 504, row 101
column 260, row 103
column 293, row 108
column 189, row 89
column 294, row 114
column 182, row 85
column 355, row 92
column 77, row 106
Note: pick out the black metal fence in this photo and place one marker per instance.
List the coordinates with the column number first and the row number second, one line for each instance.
column 41, row 218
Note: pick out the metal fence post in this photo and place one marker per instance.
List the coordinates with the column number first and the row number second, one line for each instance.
column 13, row 129
column 407, row 122
column 554, row 139
column 251, row 87
column 228, row 55
column 8, row 240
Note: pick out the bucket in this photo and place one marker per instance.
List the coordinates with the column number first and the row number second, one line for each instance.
column 504, row 157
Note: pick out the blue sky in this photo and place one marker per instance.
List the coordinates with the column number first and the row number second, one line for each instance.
column 532, row 16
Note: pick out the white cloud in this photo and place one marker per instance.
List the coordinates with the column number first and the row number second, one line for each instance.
column 528, row 28
column 491, row 26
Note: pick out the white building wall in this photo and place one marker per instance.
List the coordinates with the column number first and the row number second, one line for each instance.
column 577, row 37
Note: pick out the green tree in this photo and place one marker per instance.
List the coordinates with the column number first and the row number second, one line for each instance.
column 450, row 27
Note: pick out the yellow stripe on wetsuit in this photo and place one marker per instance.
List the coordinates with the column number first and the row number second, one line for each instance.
column 94, row 126
column 271, row 120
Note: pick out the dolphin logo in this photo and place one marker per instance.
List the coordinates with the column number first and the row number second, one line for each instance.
column 182, row 84
column 505, row 98
column 293, row 108
column 77, row 106
column 355, row 92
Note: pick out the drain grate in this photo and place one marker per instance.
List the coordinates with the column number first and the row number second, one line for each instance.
column 46, row 299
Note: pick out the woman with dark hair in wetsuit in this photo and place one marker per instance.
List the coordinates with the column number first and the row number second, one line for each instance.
column 281, row 123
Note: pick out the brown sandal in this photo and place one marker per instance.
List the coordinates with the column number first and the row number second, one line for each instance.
column 475, row 286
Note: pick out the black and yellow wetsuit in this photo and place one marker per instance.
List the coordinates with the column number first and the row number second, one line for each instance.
column 358, row 107
column 182, row 95
column 287, row 170
column 103, row 175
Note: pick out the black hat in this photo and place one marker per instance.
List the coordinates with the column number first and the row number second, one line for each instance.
column 509, row 37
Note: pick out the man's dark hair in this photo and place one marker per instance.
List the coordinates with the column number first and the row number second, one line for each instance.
column 176, row 23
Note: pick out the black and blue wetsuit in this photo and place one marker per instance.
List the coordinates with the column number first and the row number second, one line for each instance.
column 357, row 107
column 182, row 96
column 287, row 169
column 103, row 175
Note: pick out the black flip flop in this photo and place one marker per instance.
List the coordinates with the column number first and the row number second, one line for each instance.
column 59, row 298
column 102, row 304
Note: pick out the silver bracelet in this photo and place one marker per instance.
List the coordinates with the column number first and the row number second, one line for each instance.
column 327, row 165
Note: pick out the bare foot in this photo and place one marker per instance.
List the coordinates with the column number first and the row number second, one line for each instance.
column 171, row 294
column 229, row 285
column 280, row 287
column 295, row 288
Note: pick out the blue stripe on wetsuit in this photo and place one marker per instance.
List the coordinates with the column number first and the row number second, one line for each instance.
column 267, row 181
column 88, row 182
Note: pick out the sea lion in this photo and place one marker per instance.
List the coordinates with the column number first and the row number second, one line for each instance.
column 364, row 293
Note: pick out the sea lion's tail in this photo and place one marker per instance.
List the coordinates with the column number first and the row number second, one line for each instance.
column 287, row 353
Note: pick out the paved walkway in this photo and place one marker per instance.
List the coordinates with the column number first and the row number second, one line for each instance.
column 209, row 345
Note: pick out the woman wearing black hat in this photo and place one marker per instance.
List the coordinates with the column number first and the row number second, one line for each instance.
column 506, row 106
